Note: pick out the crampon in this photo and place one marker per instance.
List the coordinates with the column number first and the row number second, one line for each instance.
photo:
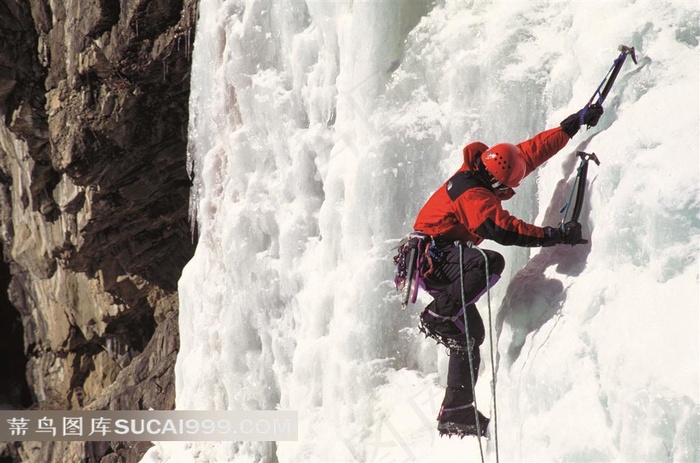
column 462, row 421
column 450, row 429
column 453, row 343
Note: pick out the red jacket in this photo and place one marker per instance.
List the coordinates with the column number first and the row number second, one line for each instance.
column 465, row 208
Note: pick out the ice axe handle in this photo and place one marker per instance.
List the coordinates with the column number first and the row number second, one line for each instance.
column 609, row 79
column 617, row 66
column 581, row 186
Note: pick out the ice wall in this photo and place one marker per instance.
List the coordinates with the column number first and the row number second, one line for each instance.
column 319, row 128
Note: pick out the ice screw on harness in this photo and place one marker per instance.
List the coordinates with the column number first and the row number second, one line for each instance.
column 410, row 270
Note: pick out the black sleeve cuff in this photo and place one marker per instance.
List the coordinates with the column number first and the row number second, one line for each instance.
column 571, row 125
column 552, row 236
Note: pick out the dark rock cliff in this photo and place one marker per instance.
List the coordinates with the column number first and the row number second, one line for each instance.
column 93, row 207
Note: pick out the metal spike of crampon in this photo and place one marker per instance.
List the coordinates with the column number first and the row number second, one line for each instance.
column 454, row 345
column 460, row 430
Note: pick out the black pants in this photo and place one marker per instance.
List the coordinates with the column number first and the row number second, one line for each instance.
column 445, row 314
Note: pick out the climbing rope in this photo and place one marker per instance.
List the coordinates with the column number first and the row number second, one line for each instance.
column 469, row 349
column 493, row 363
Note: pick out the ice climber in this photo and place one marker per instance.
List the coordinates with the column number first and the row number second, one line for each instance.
column 467, row 208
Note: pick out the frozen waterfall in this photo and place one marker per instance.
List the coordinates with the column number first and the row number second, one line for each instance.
column 319, row 128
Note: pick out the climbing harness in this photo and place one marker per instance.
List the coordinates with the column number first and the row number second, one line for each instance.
column 609, row 78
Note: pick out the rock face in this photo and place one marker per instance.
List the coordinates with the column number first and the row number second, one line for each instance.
column 94, row 204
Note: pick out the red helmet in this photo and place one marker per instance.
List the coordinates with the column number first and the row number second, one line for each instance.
column 505, row 162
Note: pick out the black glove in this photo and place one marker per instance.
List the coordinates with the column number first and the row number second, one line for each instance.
column 570, row 233
column 591, row 116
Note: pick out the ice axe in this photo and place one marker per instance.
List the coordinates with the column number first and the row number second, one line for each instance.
column 609, row 78
column 579, row 188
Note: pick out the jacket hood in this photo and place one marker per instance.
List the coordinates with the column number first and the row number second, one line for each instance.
column 471, row 154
